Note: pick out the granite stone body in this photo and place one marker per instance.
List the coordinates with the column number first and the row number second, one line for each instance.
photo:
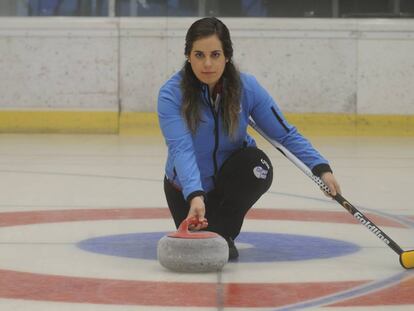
column 193, row 255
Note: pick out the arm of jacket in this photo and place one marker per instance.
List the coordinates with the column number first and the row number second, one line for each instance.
column 270, row 119
column 179, row 141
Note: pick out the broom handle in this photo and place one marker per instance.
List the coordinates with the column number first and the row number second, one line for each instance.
column 338, row 198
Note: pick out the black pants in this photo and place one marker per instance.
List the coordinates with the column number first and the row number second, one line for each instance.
column 243, row 178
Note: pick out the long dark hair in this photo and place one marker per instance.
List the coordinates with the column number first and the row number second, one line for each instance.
column 230, row 79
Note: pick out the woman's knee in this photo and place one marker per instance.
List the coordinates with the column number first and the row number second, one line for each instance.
column 247, row 170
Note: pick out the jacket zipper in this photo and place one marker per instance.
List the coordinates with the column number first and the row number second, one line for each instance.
column 216, row 131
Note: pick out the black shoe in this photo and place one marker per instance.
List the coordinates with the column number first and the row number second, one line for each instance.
column 233, row 252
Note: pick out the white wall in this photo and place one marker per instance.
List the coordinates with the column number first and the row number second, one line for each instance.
column 58, row 63
column 309, row 65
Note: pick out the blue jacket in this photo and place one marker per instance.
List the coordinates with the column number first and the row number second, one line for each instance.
column 193, row 160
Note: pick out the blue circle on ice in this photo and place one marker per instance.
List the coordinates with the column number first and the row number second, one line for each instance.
column 253, row 246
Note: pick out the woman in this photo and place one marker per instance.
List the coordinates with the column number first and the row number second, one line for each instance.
column 214, row 170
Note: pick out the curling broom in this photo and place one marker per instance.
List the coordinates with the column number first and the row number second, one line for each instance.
column 406, row 257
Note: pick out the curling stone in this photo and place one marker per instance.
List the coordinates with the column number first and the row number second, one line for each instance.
column 185, row 251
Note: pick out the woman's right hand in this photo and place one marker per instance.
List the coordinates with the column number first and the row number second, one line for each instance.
column 198, row 211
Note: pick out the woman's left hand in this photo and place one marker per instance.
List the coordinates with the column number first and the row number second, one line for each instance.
column 329, row 179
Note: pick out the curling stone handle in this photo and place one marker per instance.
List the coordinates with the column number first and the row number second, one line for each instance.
column 183, row 232
column 183, row 228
